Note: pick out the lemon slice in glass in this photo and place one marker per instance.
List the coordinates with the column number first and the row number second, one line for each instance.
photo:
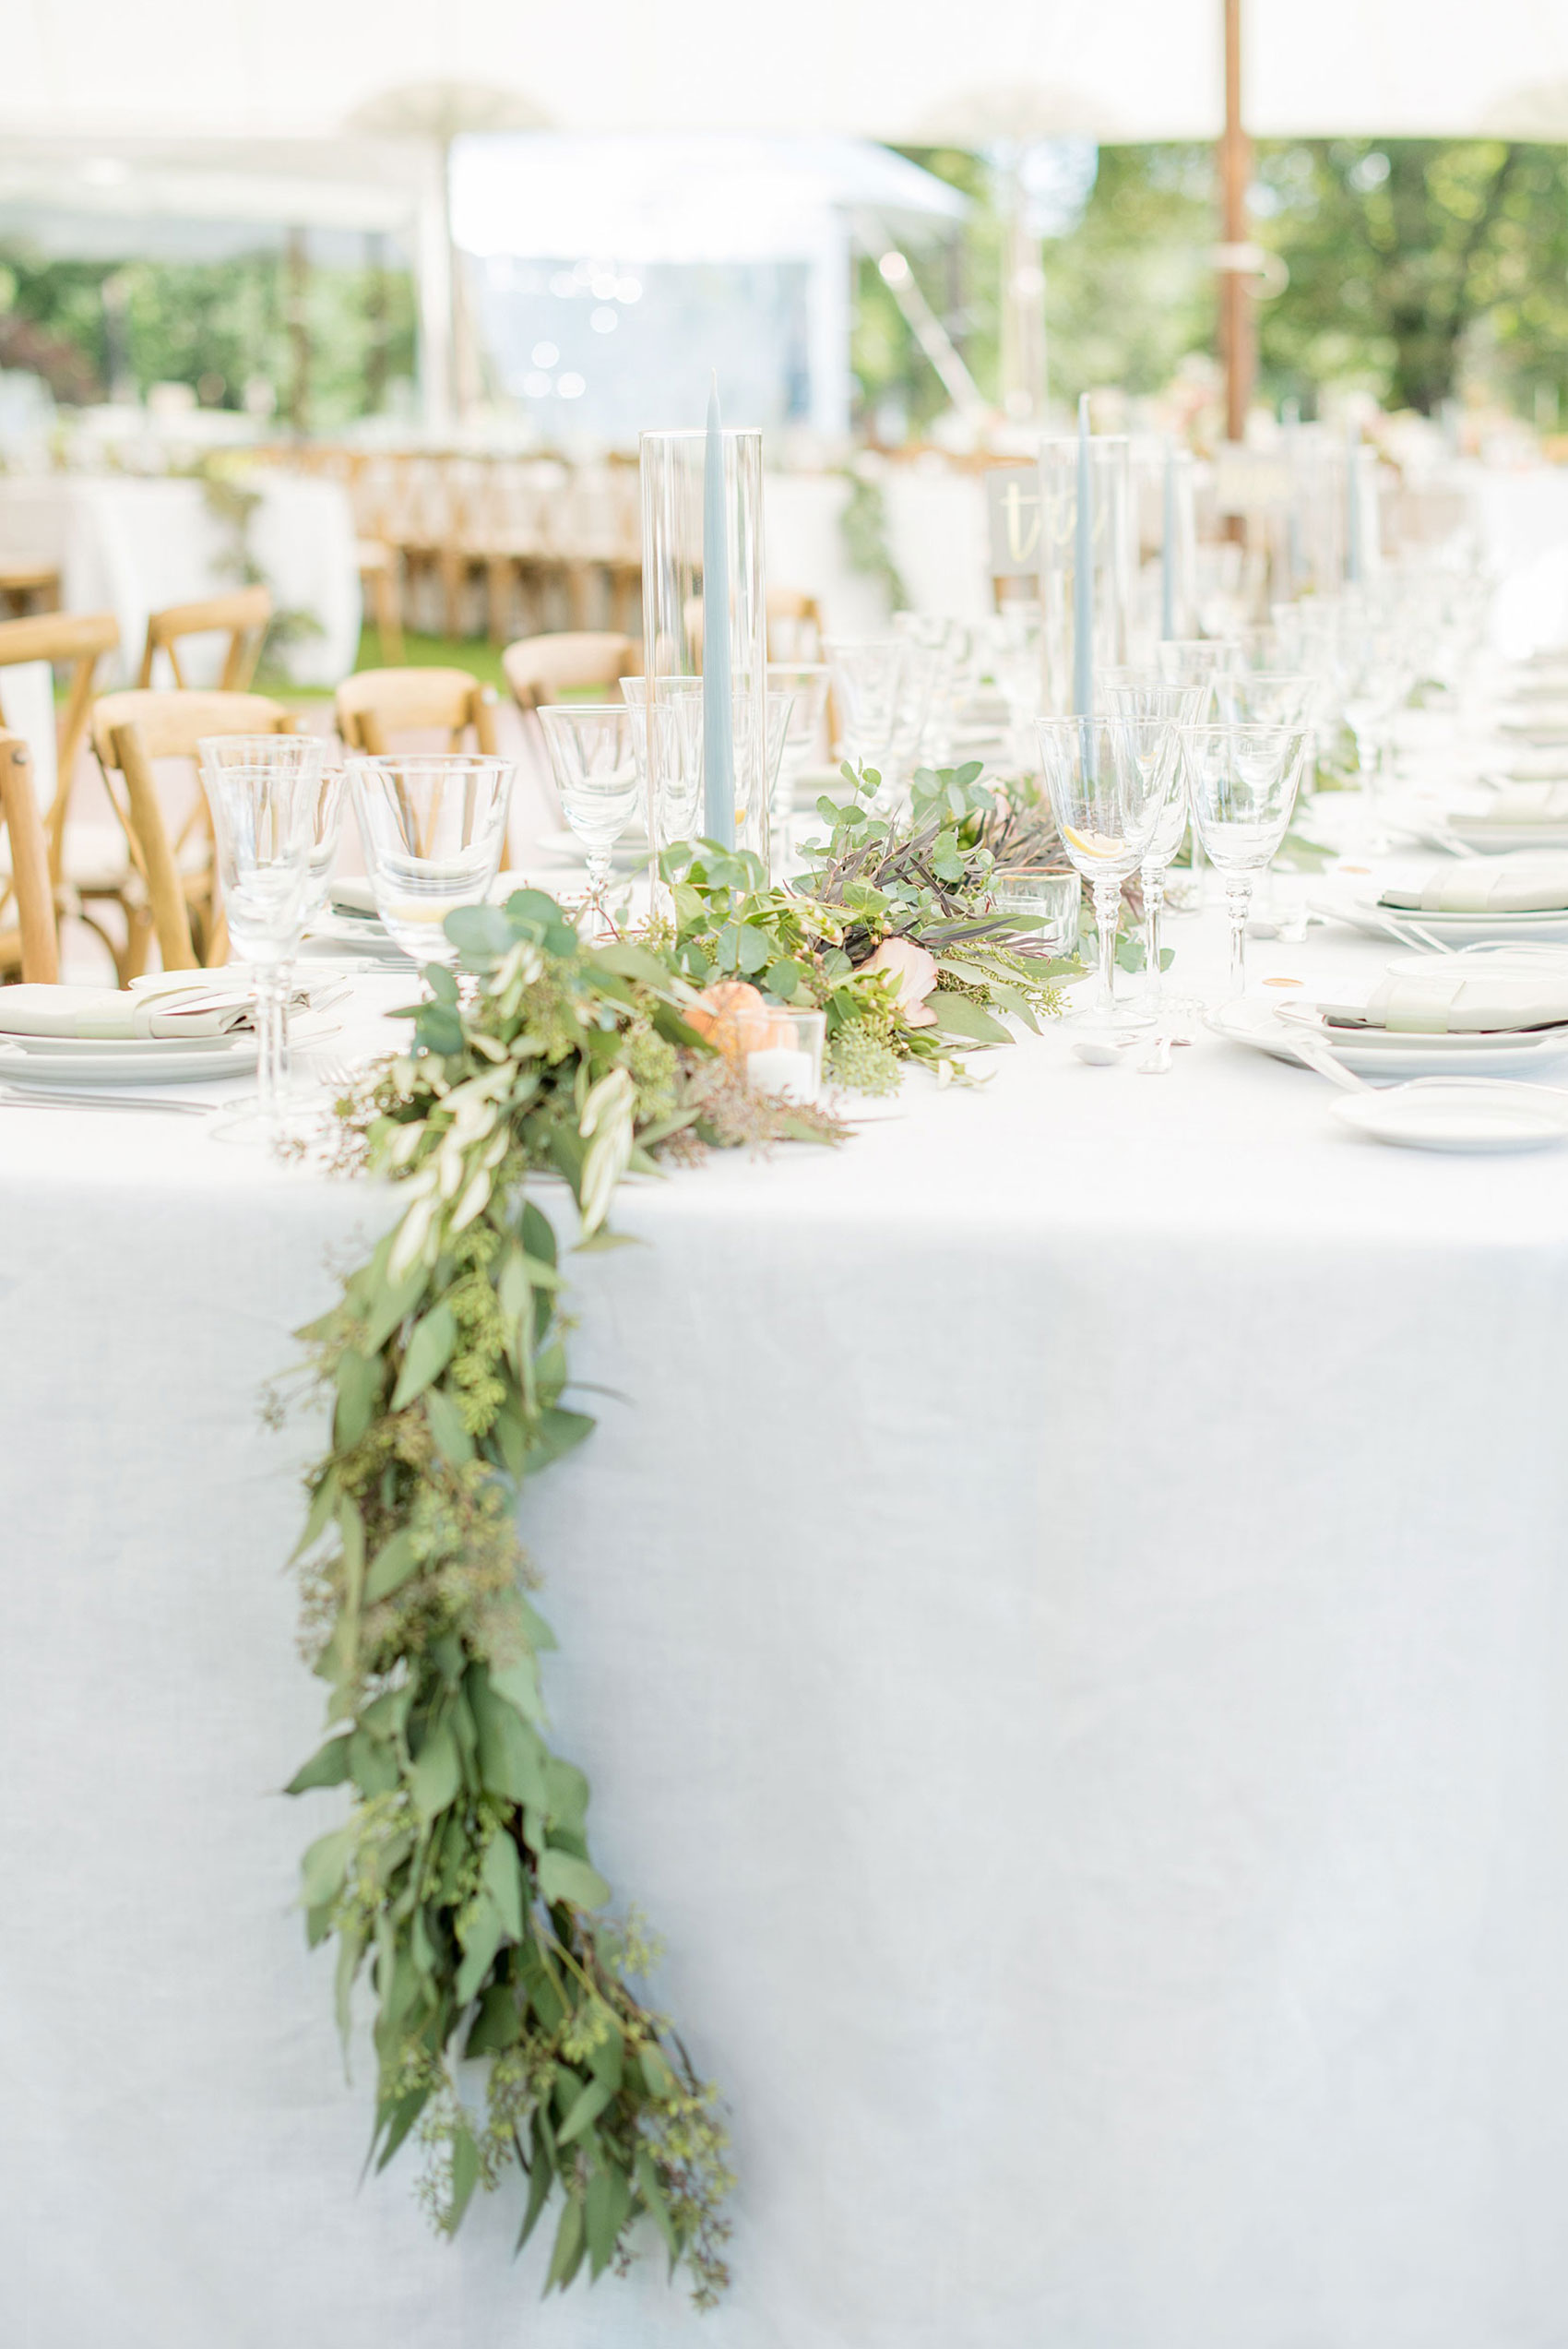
column 1095, row 844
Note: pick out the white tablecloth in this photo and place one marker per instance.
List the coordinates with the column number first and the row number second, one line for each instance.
column 132, row 546
column 1070, row 1639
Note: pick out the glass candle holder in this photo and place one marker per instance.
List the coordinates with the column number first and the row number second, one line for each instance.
column 1048, row 897
column 1076, row 594
column 778, row 1050
column 705, row 618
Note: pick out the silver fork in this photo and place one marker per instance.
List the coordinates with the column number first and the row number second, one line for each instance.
column 46, row 1097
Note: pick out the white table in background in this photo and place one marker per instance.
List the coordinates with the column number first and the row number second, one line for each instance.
column 1069, row 1636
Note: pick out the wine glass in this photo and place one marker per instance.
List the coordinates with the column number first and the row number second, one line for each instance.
column 1241, row 783
column 1106, row 803
column 882, row 689
column 433, row 826
column 806, row 681
column 1153, row 711
column 264, row 791
column 593, row 755
column 1264, row 698
column 1197, row 661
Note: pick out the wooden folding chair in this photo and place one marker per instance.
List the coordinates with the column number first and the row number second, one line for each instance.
column 376, row 704
column 540, row 669
column 29, row 943
column 242, row 616
column 24, row 583
column 794, row 625
column 130, row 732
column 79, row 640
column 381, row 584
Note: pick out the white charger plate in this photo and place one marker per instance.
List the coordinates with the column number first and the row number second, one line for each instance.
column 1262, row 1027
column 1458, row 1117
column 112, row 1064
column 1357, row 905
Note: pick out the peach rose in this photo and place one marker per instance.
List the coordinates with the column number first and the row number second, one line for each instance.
column 916, row 973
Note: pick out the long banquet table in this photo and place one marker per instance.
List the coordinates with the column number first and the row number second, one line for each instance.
column 1069, row 1633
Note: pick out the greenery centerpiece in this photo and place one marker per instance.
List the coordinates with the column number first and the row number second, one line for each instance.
column 509, row 2024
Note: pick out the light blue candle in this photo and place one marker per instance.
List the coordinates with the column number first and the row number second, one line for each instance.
column 718, row 708
column 1082, row 575
column 1168, row 550
column 1353, row 505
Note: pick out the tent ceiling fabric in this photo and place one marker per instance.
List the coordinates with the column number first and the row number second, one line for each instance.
column 900, row 70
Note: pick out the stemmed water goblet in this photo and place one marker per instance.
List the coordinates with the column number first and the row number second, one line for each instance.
column 1107, row 804
column 433, row 826
column 1241, row 783
column 593, row 755
column 807, row 682
column 273, row 813
column 883, row 690
column 1153, row 711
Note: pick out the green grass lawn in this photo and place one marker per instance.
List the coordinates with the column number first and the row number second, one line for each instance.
column 480, row 659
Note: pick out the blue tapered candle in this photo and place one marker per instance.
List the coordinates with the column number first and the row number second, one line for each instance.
column 717, row 707
column 1082, row 575
column 1168, row 550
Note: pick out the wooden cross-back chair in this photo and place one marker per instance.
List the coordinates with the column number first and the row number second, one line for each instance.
column 77, row 641
column 794, row 625
column 242, row 616
column 177, row 899
column 28, row 938
column 376, row 704
column 541, row 670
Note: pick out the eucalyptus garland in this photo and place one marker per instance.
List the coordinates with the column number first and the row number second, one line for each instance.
column 461, row 1889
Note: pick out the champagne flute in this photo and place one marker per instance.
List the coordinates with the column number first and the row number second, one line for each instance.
column 1241, row 783
column 593, row 755
column 1107, row 804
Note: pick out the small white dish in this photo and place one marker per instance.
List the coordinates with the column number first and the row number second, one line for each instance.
column 113, row 1064
column 1374, row 1053
column 1458, row 1116
column 1342, row 899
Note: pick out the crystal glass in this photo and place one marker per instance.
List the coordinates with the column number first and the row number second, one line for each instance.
column 1259, row 697
column 1014, row 657
column 264, row 791
column 1377, row 672
column 1196, row 661
column 883, row 690
column 806, row 682
column 952, row 643
column 1241, row 783
column 593, row 755
column 1045, row 895
column 779, row 1049
column 1153, row 712
column 1106, row 803
column 433, row 827
column 681, row 540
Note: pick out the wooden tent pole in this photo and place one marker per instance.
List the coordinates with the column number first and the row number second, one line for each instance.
column 1238, row 327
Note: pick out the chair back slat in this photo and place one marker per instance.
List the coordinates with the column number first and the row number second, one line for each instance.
column 242, row 616
column 37, row 950
column 79, row 638
column 540, row 669
column 376, row 704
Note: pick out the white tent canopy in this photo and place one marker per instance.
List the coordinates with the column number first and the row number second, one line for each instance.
column 901, row 70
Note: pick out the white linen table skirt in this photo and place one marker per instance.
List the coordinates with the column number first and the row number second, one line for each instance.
column 1069, row 1636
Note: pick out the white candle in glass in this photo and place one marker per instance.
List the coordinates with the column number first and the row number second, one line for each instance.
column 780, row 1068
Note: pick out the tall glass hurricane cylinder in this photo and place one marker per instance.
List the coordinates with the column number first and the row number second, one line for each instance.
column 682, row 538
column 1105, row 593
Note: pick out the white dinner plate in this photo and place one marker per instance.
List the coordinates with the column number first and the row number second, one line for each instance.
column 1458, row 1116
column 1356, row 902
column 127, row 1048
column 628, row 855
column 1378, row 1055
column 111, row 1064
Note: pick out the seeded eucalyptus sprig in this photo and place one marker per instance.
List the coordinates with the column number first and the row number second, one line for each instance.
column 462, row 1881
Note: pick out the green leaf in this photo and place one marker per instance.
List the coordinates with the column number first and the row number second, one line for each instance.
column 568, row 1795
column 562, row 1878
column 328, row 1766
column 486, row 1931
column 480, row 933
column 784, row 978
column 393, row 1306
column 359, row 1385
column 511, row 1754
column 539, row 1234
column 429, row 1351
column 322, row 1503
column 464, row 2153
column 556, row 1433
column 751, row 949
column 323, row 1866
column 656, row 2071
column 398, row 2119
column 438, row 1030
column 587, row 2107
column 372, row 1766
column 654, row 2203
column 519, row 1683
column 502, row 1876
column 391, row 1566
column 452, row 1438
column 498, row 2023
column 606, row 2208
column 629, row 961
column 957, row 1016
column 542, row 2177
column 566, row 2256
column 528, row 910
column 438, row 1773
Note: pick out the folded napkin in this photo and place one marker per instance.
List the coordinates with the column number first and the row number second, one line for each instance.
column 1513, row 803
column 354, row 898
column 1527, row 882
column 1460, row 1003
column 1534, row 767
column 103, row 1013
